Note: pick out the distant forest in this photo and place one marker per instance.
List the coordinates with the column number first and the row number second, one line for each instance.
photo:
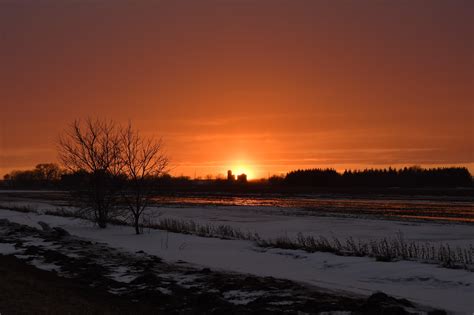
column 47, row 176
column 405, row 177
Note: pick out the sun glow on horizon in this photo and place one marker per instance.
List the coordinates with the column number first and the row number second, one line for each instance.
column 243, row 169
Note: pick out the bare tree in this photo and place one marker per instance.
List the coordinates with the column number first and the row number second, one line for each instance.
column 143, row 160
column 93, row 148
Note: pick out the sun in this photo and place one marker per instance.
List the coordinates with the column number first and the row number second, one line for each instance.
column 243, row 169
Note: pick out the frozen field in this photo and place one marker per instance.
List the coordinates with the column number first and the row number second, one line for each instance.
column 434, row 208
column 422, row 283
column 273, row 225
column 271, row 217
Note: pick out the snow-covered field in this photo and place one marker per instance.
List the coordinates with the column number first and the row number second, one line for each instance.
column 422, row 283
column 272, row 222
column 270, row 225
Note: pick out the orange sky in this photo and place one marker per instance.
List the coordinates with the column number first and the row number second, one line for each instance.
column 264, row 85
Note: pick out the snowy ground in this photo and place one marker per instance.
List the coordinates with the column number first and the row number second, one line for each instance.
column 425, row 284
column 154, row 286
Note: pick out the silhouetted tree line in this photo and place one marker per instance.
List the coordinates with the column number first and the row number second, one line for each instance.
column 405, row 177
column 50, row 175
column 45, row 175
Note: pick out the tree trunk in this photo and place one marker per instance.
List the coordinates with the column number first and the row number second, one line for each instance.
column 102, row 220
column 102, row 223
column 137, row 227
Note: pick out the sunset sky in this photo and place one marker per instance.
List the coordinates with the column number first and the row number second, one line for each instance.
column 261, row 86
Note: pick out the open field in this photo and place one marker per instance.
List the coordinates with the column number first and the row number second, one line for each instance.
column 436, row 207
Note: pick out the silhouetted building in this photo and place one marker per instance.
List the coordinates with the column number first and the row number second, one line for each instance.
column 230, row 176
column 242, row 178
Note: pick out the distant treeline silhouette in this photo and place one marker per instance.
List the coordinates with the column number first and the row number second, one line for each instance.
column 50, row 175
column 45, row 175
column 405, row 177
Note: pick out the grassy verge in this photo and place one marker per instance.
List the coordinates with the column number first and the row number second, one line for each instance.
column 221, row 231
column 386, row 249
